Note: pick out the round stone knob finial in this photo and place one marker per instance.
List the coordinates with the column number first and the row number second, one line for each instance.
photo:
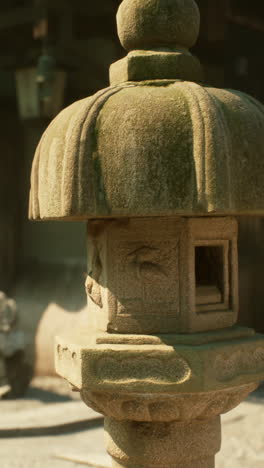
column 152, row 24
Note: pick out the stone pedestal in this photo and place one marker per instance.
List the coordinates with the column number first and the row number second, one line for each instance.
column 190, row 444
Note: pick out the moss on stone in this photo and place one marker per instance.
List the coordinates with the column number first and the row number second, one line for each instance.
column 152, row 148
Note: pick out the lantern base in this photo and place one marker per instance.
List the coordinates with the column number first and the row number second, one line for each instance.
column 206, row 463
column 191, row 444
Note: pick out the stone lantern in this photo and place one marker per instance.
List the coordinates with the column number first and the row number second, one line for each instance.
column 160, row 165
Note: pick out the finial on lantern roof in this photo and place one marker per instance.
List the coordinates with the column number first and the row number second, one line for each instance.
column 157, row 34
column 152, row 24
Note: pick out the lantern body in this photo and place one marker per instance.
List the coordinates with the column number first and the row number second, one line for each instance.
column 140, row 269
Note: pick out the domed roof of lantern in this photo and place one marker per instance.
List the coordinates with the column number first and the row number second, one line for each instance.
column 157, row 141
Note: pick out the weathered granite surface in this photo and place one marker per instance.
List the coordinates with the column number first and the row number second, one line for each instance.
column 242, row 439
column 141, row 275
column 160, row 146
column 142, row 148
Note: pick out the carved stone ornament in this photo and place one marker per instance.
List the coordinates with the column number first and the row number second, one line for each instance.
column 167, row 406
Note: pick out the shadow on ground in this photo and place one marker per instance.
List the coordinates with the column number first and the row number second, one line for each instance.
column 258, row 395
column 45, row 396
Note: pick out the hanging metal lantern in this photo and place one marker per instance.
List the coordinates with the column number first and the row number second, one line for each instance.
column 40, row 90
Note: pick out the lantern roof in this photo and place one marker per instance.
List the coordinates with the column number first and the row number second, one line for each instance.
column 156, row 142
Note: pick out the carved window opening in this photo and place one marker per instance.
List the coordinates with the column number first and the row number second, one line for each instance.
column 212, row 275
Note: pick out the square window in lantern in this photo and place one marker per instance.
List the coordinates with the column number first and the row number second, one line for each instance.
column 210, row 276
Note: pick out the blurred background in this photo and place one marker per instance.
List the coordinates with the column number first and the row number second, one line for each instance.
column 51, row 54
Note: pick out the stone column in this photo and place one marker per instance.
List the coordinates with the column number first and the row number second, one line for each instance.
column 163, row 444
column 173, row 444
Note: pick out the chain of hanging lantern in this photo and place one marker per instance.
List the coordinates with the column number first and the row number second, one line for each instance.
column 40, row 88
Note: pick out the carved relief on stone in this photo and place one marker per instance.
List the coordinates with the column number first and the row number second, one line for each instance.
column 162, row 368
column 132, row 369
column 147, row 277
column 241, row 362
column 166, row 406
